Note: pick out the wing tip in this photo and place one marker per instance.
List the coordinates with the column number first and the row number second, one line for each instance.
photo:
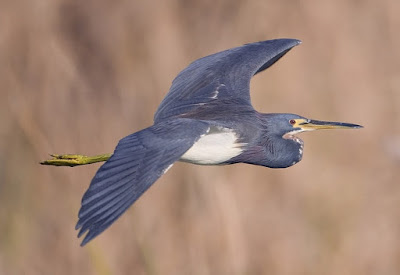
column 91, row 234
column 289, row 42
column 296, row 41
column 283, row 43
column 86, row 240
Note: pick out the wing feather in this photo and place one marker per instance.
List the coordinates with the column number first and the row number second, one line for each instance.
column 224, row 75
column 138, row 161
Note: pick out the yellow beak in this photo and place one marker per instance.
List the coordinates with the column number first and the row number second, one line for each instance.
column 310, row 125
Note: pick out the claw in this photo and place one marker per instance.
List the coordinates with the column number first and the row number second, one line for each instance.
column 74, row 160
column 65, row 160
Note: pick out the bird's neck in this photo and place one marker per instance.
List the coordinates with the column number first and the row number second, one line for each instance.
column 276, row 153
column 270, row 149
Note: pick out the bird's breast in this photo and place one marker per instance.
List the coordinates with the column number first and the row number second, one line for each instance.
column 216, row 147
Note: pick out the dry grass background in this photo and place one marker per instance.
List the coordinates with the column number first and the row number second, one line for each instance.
column 76, row 76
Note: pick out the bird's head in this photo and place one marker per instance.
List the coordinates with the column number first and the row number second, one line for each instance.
column 287, row 125
column 285, row 148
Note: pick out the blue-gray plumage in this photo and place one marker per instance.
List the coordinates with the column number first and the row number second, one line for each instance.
column 206, row 118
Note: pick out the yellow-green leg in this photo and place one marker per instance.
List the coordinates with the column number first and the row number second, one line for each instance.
column 74, row 160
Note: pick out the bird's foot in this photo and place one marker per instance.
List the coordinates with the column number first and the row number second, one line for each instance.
column 74, row 160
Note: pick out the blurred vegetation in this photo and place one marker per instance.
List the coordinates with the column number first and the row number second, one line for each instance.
column 76, row 76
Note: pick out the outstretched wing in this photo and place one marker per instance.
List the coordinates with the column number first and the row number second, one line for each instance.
column 138, row 161
column 220, row 76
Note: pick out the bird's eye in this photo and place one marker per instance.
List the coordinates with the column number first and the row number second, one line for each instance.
column 292, row 121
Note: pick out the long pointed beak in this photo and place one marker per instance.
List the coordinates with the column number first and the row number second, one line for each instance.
column 311, row 125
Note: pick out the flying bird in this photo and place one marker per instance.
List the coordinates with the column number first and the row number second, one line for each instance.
column 206, row 118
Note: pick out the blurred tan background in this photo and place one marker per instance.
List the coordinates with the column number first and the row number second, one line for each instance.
column 76, row 76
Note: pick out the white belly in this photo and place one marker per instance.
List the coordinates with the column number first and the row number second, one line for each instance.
column 214, row 148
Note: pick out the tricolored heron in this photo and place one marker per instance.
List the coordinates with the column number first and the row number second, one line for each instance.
column 206, row 118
